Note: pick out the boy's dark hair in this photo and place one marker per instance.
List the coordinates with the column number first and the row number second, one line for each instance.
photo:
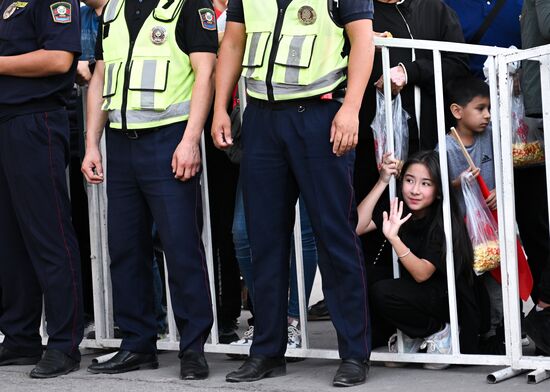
column 462, row 90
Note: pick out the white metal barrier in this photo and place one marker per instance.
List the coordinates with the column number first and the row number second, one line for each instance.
column 498, row 81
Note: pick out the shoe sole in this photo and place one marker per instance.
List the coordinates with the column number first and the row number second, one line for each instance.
column 22, row 361
column 348, row 384
column 42, row 376
column 148, row 365
column 191, row 377
column 275, row 372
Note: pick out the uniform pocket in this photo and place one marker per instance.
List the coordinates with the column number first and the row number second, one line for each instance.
column 293, row 59
column 111, row 79
column 149, row 77
column 256, row 45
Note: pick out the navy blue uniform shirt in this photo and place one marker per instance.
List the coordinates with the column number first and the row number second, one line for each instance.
column 346, row 12
column 29, row 26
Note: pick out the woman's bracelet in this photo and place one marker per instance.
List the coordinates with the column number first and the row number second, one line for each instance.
column 404, row 254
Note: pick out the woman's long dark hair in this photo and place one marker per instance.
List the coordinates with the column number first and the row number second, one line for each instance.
column 462, row 246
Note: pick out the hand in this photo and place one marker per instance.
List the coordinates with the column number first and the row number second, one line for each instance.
column 83, row 74
column 221, row 130
column 388, row 167
column 393, row 221
column 398, row 80
column 385, row 34
column 92, row 168
column 186, row 161
column 491, row 200
column 344, row 130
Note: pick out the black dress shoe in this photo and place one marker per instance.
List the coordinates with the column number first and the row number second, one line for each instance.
column 193, row 366
column 8, row 357
column 351, row 372
column 54, row 363
column 125, row 361
column 256, row 368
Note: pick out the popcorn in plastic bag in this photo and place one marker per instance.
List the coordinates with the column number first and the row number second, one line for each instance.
column 481, row 226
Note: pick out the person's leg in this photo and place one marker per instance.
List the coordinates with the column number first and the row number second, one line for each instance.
column 309, row 252
column 34, row 166
column 417, row 310
column 222, row 182
column 177, row 211
column 21, row 296
column 130, row 248
column 240, row 240
column 325, row 182
column 270, row 193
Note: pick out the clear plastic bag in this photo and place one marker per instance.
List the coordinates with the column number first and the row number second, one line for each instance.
column 400, row 129
column 527, row 138
column 481, row 226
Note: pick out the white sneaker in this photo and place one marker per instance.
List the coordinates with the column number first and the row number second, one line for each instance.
column 438, row 343
column 294, row 335
column 247, row 338
column 410, row 345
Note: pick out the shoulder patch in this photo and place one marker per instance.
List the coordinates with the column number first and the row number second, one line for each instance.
column 61, row 12
column 208, row 18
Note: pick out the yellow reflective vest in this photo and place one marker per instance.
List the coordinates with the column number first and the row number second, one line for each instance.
column 291, row 54
column 147, row 83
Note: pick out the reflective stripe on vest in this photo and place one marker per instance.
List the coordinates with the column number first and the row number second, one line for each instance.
column 178, row 111
column 307, row 52
column 259, row 87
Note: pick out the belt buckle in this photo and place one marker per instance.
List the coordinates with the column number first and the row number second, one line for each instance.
column 133, row 135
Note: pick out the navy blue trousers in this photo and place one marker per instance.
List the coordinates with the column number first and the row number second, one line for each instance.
column 38, row 248
column 141, row 188
column 287, row 151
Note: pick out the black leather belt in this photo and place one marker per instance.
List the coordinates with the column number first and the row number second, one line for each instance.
column 134, row 133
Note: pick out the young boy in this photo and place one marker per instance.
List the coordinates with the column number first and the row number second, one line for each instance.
column 470, row 107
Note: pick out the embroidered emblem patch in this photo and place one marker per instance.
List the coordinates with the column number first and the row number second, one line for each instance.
column 158, row 35
column 13, row 7
column 208, row 19
column 307, row 15
column 61, row 12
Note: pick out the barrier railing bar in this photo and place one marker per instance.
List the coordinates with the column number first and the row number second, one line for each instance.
column 440, row 110
column 436, row 45
column 207, row 239
column 528, row 54
column 172, row 327
column 300, row 276
column 509, row 213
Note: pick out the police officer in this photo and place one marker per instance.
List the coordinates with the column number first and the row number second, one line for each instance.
column 299, row 138
column 38, row 249
column 153, row 82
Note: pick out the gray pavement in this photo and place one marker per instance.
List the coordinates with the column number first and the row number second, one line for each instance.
column 309, row 375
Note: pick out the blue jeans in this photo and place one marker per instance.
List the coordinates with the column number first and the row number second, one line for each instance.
column 309, row 251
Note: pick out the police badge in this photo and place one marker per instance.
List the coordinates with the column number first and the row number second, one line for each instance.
column 158, row 35
column 10, row 10
column 307, row 15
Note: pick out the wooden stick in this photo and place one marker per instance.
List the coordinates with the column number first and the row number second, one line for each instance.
column 463, row 148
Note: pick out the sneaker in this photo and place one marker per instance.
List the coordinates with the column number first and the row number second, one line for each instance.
column 438, row 343
column 537, row 326
column 318, row 312
column 246, row 340
column 294, row 335
column 410, row 345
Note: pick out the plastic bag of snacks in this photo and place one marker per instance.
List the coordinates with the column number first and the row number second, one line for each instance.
column 527, row 140
column 400, row 129
column 481, row 226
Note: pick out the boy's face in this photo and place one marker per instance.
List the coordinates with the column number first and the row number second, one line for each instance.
column 475, row 116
